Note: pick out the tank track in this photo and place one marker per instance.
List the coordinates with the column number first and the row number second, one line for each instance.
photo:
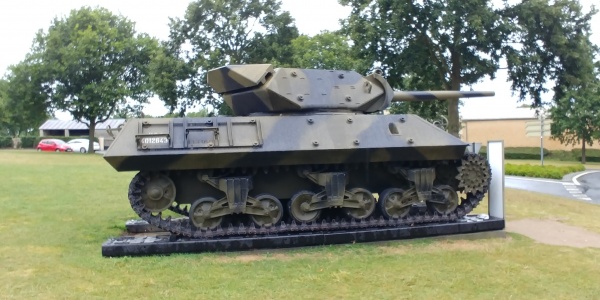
column 184, row 227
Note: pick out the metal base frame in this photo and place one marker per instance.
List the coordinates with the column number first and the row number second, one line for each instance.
column 165, row 243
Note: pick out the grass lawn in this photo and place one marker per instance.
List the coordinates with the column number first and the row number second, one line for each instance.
column 58, row 209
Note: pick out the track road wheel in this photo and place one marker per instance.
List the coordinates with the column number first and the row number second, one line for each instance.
column 274, row 210
column 392, row 205
column 365, row 200
column 451, row 197
column 158, row 192
column 299, row 206
column 200, row 214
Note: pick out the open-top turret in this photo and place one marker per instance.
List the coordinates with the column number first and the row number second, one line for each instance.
column 260, row 89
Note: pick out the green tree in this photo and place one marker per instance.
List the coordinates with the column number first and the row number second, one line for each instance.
column 3, row 107
column 195, row 114
column 95, row 62
column 129, row 110
column 554, row 55
column 25, row 102
column 576, row 116
column 274, row 45
column 199, row 114
column 445, row 43
column 214, row 33
column 551, row 48
column 326, row 50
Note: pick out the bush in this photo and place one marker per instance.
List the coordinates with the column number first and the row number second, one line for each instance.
column 5, row 142
column 28, row 142
column 554, row 172
column 561, row 155
column 523, row 152
column 591, row 155
column 519, row 152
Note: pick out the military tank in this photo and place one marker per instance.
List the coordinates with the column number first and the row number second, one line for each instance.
column 306, row 150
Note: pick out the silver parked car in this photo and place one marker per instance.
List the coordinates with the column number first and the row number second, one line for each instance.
column 82, row 145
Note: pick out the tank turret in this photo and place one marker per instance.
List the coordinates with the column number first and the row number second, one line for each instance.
column 261, row 89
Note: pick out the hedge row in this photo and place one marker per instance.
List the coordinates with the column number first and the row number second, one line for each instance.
column 33, row 141
column 591, row 155
column 5, row 142
column 519, row 152
column 554, row 172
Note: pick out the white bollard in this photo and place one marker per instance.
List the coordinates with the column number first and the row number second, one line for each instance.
column 495, row 153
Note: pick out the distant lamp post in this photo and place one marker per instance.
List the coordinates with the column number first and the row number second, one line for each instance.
column 541, row 117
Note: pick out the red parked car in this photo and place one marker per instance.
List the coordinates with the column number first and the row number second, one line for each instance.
column 53, row 145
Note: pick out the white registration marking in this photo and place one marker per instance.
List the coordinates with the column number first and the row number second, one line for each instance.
column 155, row 140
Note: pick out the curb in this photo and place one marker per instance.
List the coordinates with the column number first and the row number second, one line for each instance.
column 573, row 177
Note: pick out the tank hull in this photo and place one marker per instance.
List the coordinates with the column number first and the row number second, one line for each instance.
column 265, row 141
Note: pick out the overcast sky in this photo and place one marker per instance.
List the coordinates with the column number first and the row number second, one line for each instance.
column 20, row 20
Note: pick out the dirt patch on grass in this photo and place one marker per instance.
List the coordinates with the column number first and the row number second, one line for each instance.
column 555, row 233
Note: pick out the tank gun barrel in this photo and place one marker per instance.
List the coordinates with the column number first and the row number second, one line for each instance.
column 437, row 95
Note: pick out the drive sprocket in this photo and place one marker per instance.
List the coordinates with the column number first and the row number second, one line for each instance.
column 474, row 174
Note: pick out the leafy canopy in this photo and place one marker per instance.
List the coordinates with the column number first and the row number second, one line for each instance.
column 215, row 33
column 24, row 102
column 551, row 48
column 326, row 50
column 440, row 44
column 576, row 116
column 94, row 61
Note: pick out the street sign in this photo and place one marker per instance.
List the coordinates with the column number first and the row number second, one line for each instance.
column 534, row 127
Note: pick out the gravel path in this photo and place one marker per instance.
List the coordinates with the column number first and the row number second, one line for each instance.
column 555, row 233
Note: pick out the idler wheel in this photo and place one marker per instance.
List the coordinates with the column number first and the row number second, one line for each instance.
column 272, row 206
column 474, row 174
column 366, row 202
column 158, row 192
column 393, row 204
column 200, row 214
column 450, row 196
column 300, row 207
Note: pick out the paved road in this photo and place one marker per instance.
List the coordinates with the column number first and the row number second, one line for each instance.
column 589, row 182
column 574, row 189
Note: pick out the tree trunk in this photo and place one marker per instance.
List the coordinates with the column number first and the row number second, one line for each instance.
column 583, row 152
column 16, row 141
column 92, row 134
column 453, row 117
